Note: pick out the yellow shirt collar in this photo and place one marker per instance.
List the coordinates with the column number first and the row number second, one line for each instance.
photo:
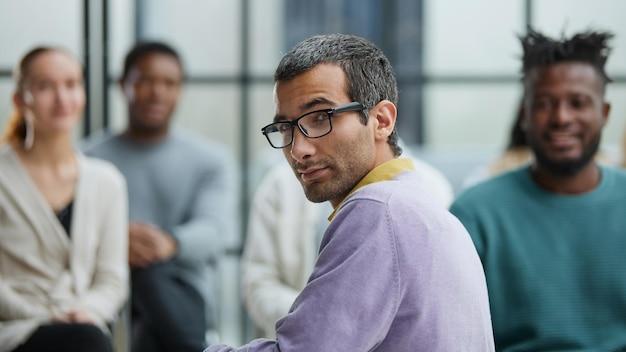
column 383, row 172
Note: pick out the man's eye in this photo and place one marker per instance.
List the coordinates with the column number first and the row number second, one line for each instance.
column 322, row 117
column 144, row 82
column 542, row 104
column 318, row 118
column 579, row 103
column 284, row 127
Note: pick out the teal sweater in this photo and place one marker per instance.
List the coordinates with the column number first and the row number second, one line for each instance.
column 555, row 264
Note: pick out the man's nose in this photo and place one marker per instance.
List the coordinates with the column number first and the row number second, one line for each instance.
column 562, row 114
column 301, row 147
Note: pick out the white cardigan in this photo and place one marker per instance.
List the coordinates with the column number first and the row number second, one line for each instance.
column 281, row 245
column 42, row 271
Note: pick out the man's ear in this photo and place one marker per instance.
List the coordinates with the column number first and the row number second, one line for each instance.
column 127, row 89
column 523, row 120
column 606, row 109
column 385, row 114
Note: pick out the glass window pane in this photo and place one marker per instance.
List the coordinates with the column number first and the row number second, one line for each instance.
column 472, row 37
column 614, row 131
column 409, row 107
column 6, row 105
column 27, row 23
column 30, row 23
column 262, row 155
column 118, row 109
column 212, row 111
column 121, row 34
column 557, row 16
column 364, row 18
column 470, row 114
column 266, row 35
column 407, row 38
column 467, row 125
column 206, row 33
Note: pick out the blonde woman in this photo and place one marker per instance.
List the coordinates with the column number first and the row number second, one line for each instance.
column 63, row 218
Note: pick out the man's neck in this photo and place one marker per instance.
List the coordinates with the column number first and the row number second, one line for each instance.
column 146, row 136
column 585, row 180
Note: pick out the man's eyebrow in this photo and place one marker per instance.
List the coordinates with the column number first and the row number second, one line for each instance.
column 315, row 102
column 279, row 118
column 305, row 107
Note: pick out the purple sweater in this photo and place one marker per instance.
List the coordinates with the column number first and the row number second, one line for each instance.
column 395, row 272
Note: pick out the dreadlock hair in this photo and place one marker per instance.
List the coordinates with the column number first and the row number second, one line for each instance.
column 588, row 47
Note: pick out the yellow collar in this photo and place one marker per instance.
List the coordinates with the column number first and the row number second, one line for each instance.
column 383, row 172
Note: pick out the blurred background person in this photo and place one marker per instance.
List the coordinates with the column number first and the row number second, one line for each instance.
column 183, row 197
column 63, row 218
column 516, row 154
column 550, row 235
column 622, row 156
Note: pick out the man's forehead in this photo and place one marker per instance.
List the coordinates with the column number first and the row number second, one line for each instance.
column 570, row 68
column 574, row 72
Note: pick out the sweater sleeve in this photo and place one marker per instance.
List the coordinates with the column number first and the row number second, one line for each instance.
column 354, row 291
column 212, row 216
column 109, row 287
column 14, row 307
column 266, row 294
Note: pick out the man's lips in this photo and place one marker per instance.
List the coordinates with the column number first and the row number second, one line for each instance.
column 311, row 173
column 562, row 140
column 154, row 109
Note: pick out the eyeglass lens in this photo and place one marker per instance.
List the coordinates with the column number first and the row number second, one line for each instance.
column 313, row 125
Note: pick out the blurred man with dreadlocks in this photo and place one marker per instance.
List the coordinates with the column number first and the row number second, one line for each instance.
column 551, row 235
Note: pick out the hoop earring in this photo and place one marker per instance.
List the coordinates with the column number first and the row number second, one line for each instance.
column 30, row 131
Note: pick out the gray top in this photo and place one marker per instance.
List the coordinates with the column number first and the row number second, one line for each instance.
column 187, row 186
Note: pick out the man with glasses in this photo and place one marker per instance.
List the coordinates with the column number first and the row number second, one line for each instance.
column 395, row 271
column 278, row 256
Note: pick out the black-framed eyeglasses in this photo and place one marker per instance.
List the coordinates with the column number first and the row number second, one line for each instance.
column 314, row 124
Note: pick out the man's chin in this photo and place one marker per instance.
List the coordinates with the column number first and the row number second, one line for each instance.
column 313, row 195
column 155, row 122
column 563, row 167
column 565, row 163
column 152, row 127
